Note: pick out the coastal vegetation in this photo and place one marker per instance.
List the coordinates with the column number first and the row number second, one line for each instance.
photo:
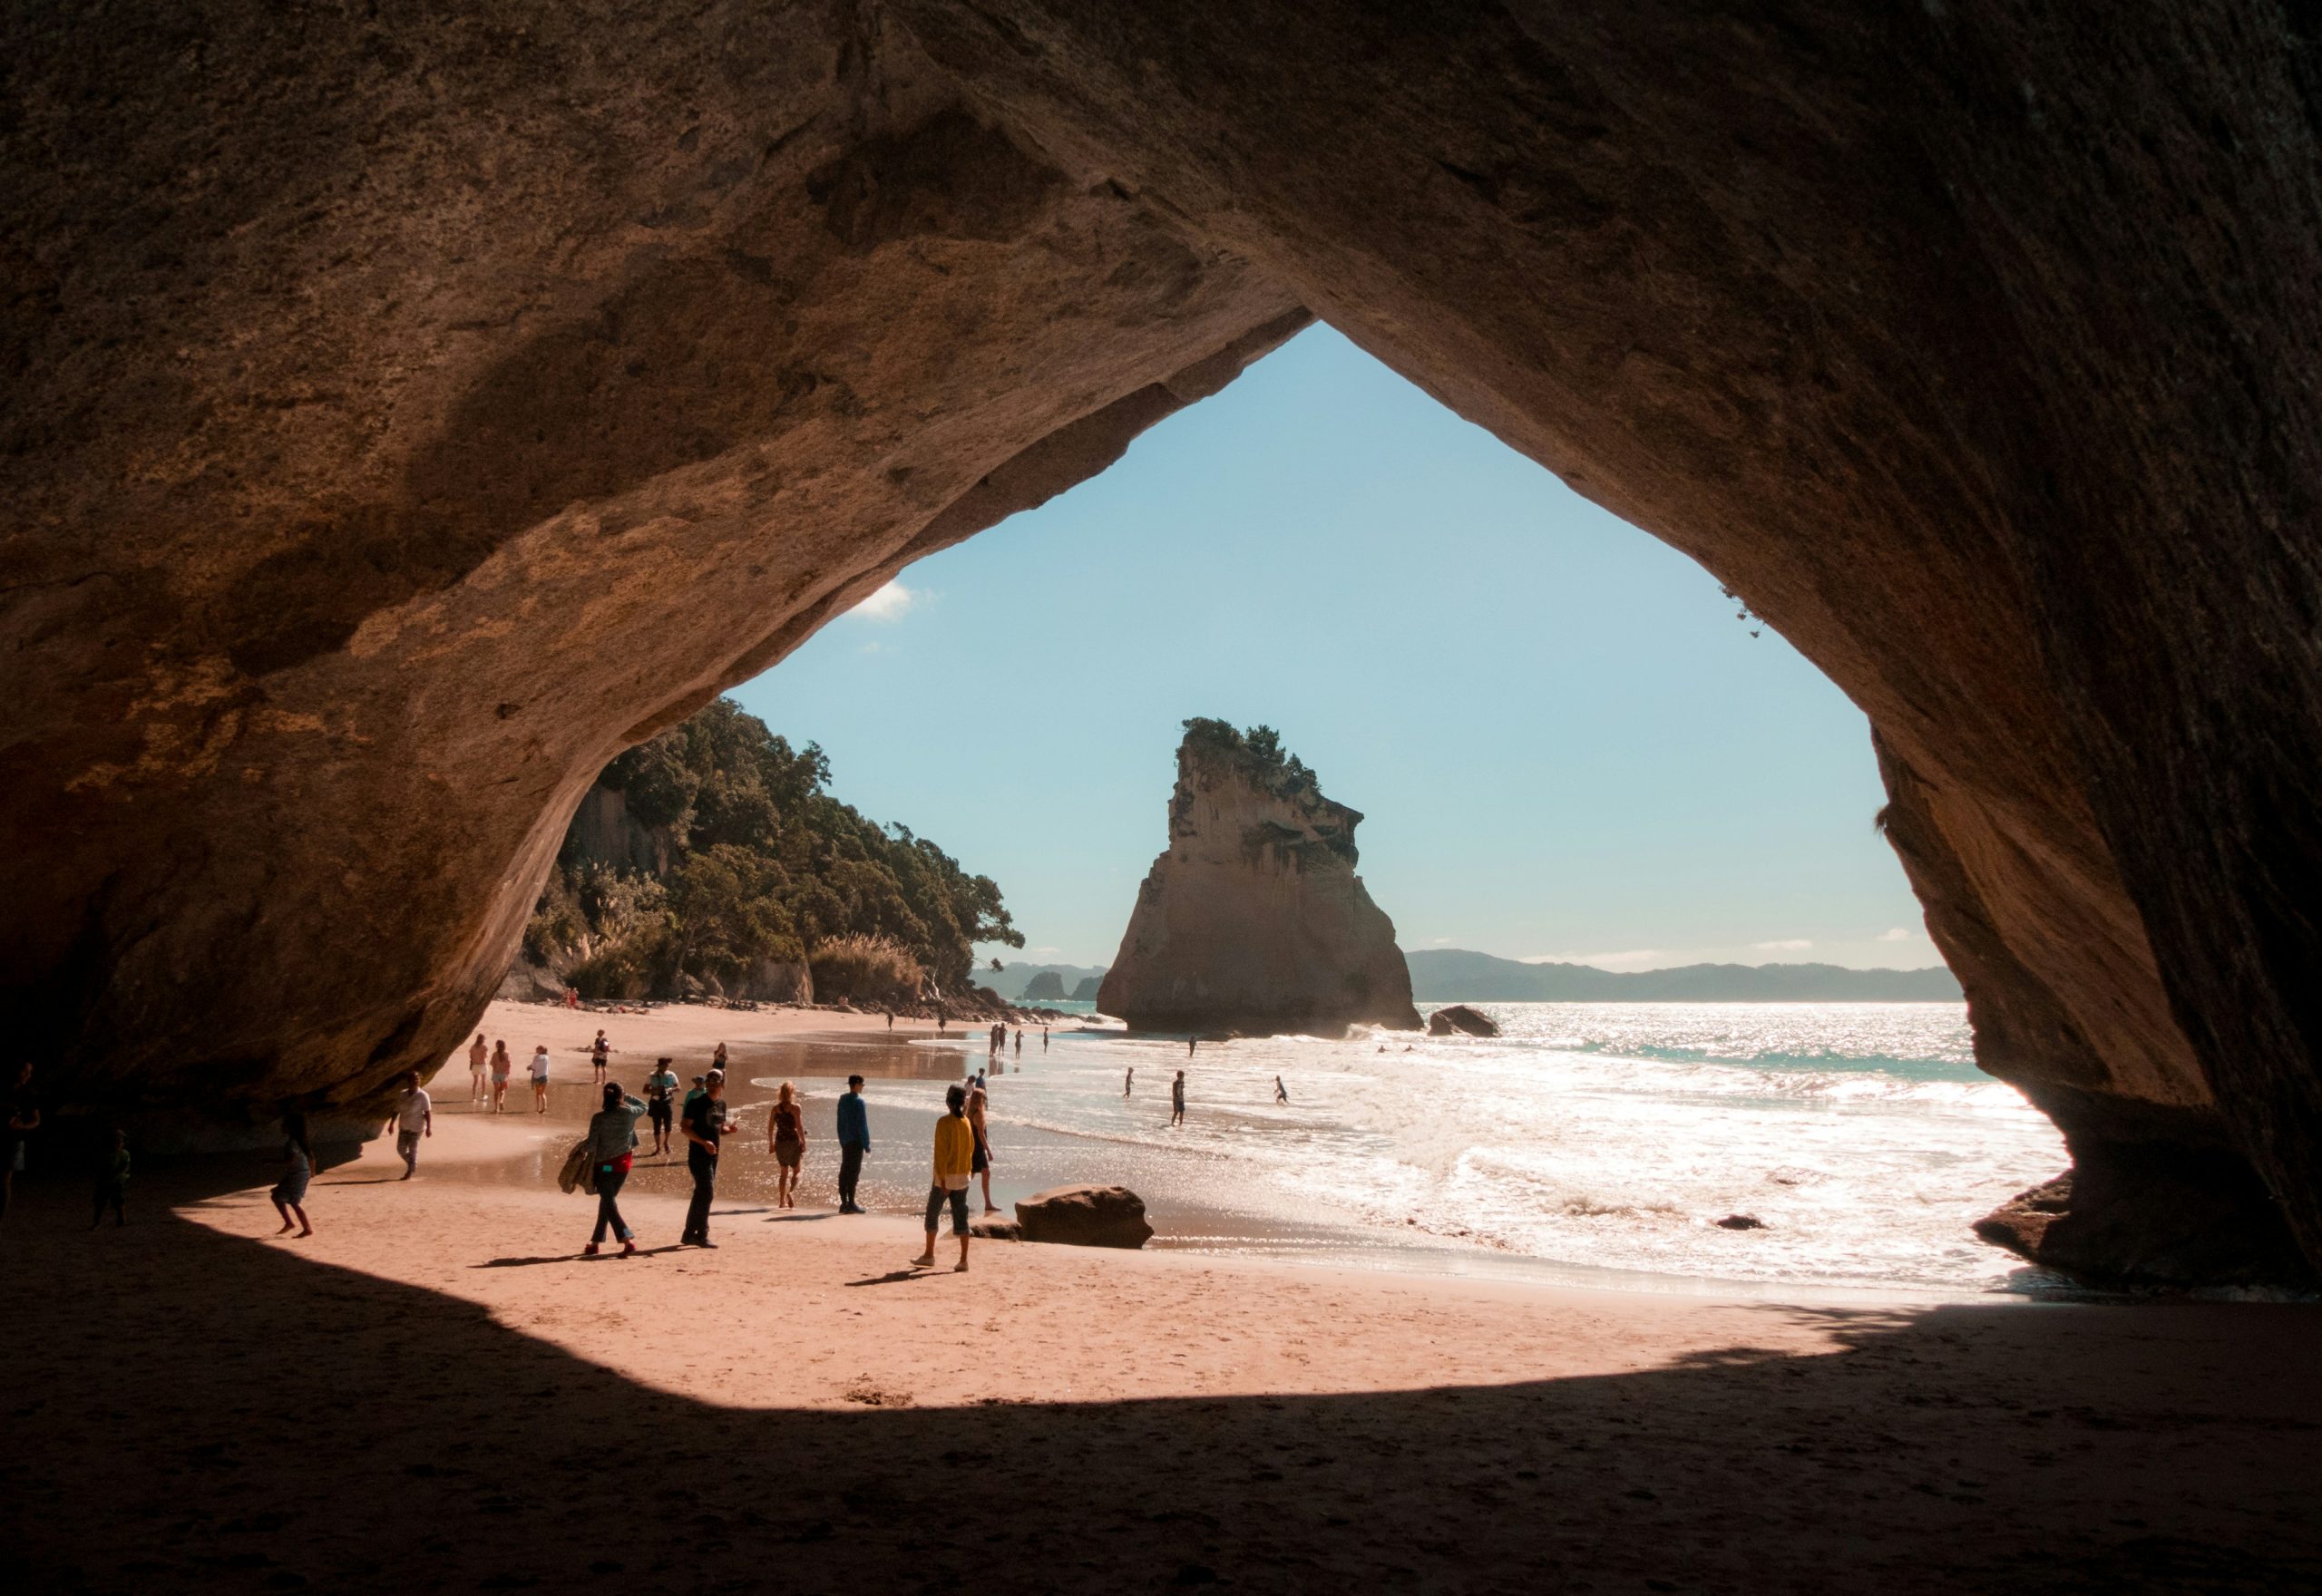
column 755, row 864
column 1259, row 759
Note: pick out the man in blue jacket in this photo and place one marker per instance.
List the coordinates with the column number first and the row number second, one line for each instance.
column 853, row 1141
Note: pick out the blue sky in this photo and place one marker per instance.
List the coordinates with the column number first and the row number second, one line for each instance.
column 1564, row 744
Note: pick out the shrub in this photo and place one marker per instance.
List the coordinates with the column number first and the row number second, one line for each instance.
column 865, row 969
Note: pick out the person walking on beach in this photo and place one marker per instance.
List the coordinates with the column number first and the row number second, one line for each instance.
column 891, row 1019
column 1189, row 1046
column 1128, row 1081
column 479, row 1061
column 289, row 1194
column 1044, row 1038
column 661, row 1102
column 540, row 1078
column 612, row 1140
column 1280, row 1092
column 1020, row 1041
column 979, row 1161
column 500, row 1066
column 705, row 1127
column 23, row 1119
column 414, row 1118
column 786, row 1138
column 695, row 1091
column 1177, row 1099
column 717, row 1058
column 112, row 1182
column 853, row 1141
column 596, row 1051
column 955, row 1145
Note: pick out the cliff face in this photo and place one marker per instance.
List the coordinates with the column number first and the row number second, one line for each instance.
column 1253, row 920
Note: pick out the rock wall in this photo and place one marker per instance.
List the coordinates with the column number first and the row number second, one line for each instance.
column 603, row 830
column 411, row 406
column 1253, row 921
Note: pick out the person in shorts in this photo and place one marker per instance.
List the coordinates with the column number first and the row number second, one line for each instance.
column 414, row 1118
column 289, row 1194
column 479, row 1061
column 540, row 1078
column 955, row 1148
column 500, row 1067
column 661, row 1102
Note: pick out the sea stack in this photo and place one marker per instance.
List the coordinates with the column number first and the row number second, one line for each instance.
column 1253, row 920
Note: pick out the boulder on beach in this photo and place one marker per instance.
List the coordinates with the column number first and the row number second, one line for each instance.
column 1458, row 1019
column 992, row 1228
column 527, row 982
column 1740, row 1221
column 1085, row 1216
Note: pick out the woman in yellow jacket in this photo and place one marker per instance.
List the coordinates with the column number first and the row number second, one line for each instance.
column 955, row 1147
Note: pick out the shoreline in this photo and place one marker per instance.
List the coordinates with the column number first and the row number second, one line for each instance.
column 818, row 1048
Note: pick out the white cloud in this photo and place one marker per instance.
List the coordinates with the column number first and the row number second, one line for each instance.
column 1628, row 959
column 1786, row 945
column 1899, row 934
column 889, row 603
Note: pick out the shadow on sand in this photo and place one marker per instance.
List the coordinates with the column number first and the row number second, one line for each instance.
column 158, row 1375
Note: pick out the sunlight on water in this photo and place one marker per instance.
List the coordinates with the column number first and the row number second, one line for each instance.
column 1601, row 1136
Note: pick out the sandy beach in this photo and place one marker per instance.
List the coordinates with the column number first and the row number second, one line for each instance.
column 435, row 1388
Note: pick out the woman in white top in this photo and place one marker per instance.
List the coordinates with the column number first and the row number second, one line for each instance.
column 540, row 1078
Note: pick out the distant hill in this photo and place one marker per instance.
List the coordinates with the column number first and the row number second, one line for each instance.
column 1011, row 981
column 1046, row 987
column 1085, row 992
column 1454, row 975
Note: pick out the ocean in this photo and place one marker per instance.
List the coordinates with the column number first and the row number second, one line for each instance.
column 1598, row 1142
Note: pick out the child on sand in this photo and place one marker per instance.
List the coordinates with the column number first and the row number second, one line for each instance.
column 112, row 1182
column 414, row 1117
column 955, row 1145
column 289, row 1194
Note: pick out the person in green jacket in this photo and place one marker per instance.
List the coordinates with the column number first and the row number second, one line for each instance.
column 955, row 1150
column 112, row 1182
column 612, row 1134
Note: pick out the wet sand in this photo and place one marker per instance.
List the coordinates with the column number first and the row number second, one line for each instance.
column 435, row 1390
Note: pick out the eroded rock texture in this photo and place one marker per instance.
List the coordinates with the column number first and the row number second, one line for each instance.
column 1253, row 920
column 414, row 406
column 411, row 406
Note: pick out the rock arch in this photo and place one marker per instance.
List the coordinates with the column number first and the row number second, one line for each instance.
column 414, row 407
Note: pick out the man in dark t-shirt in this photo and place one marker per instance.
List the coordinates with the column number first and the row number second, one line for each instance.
column 706, row 1125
